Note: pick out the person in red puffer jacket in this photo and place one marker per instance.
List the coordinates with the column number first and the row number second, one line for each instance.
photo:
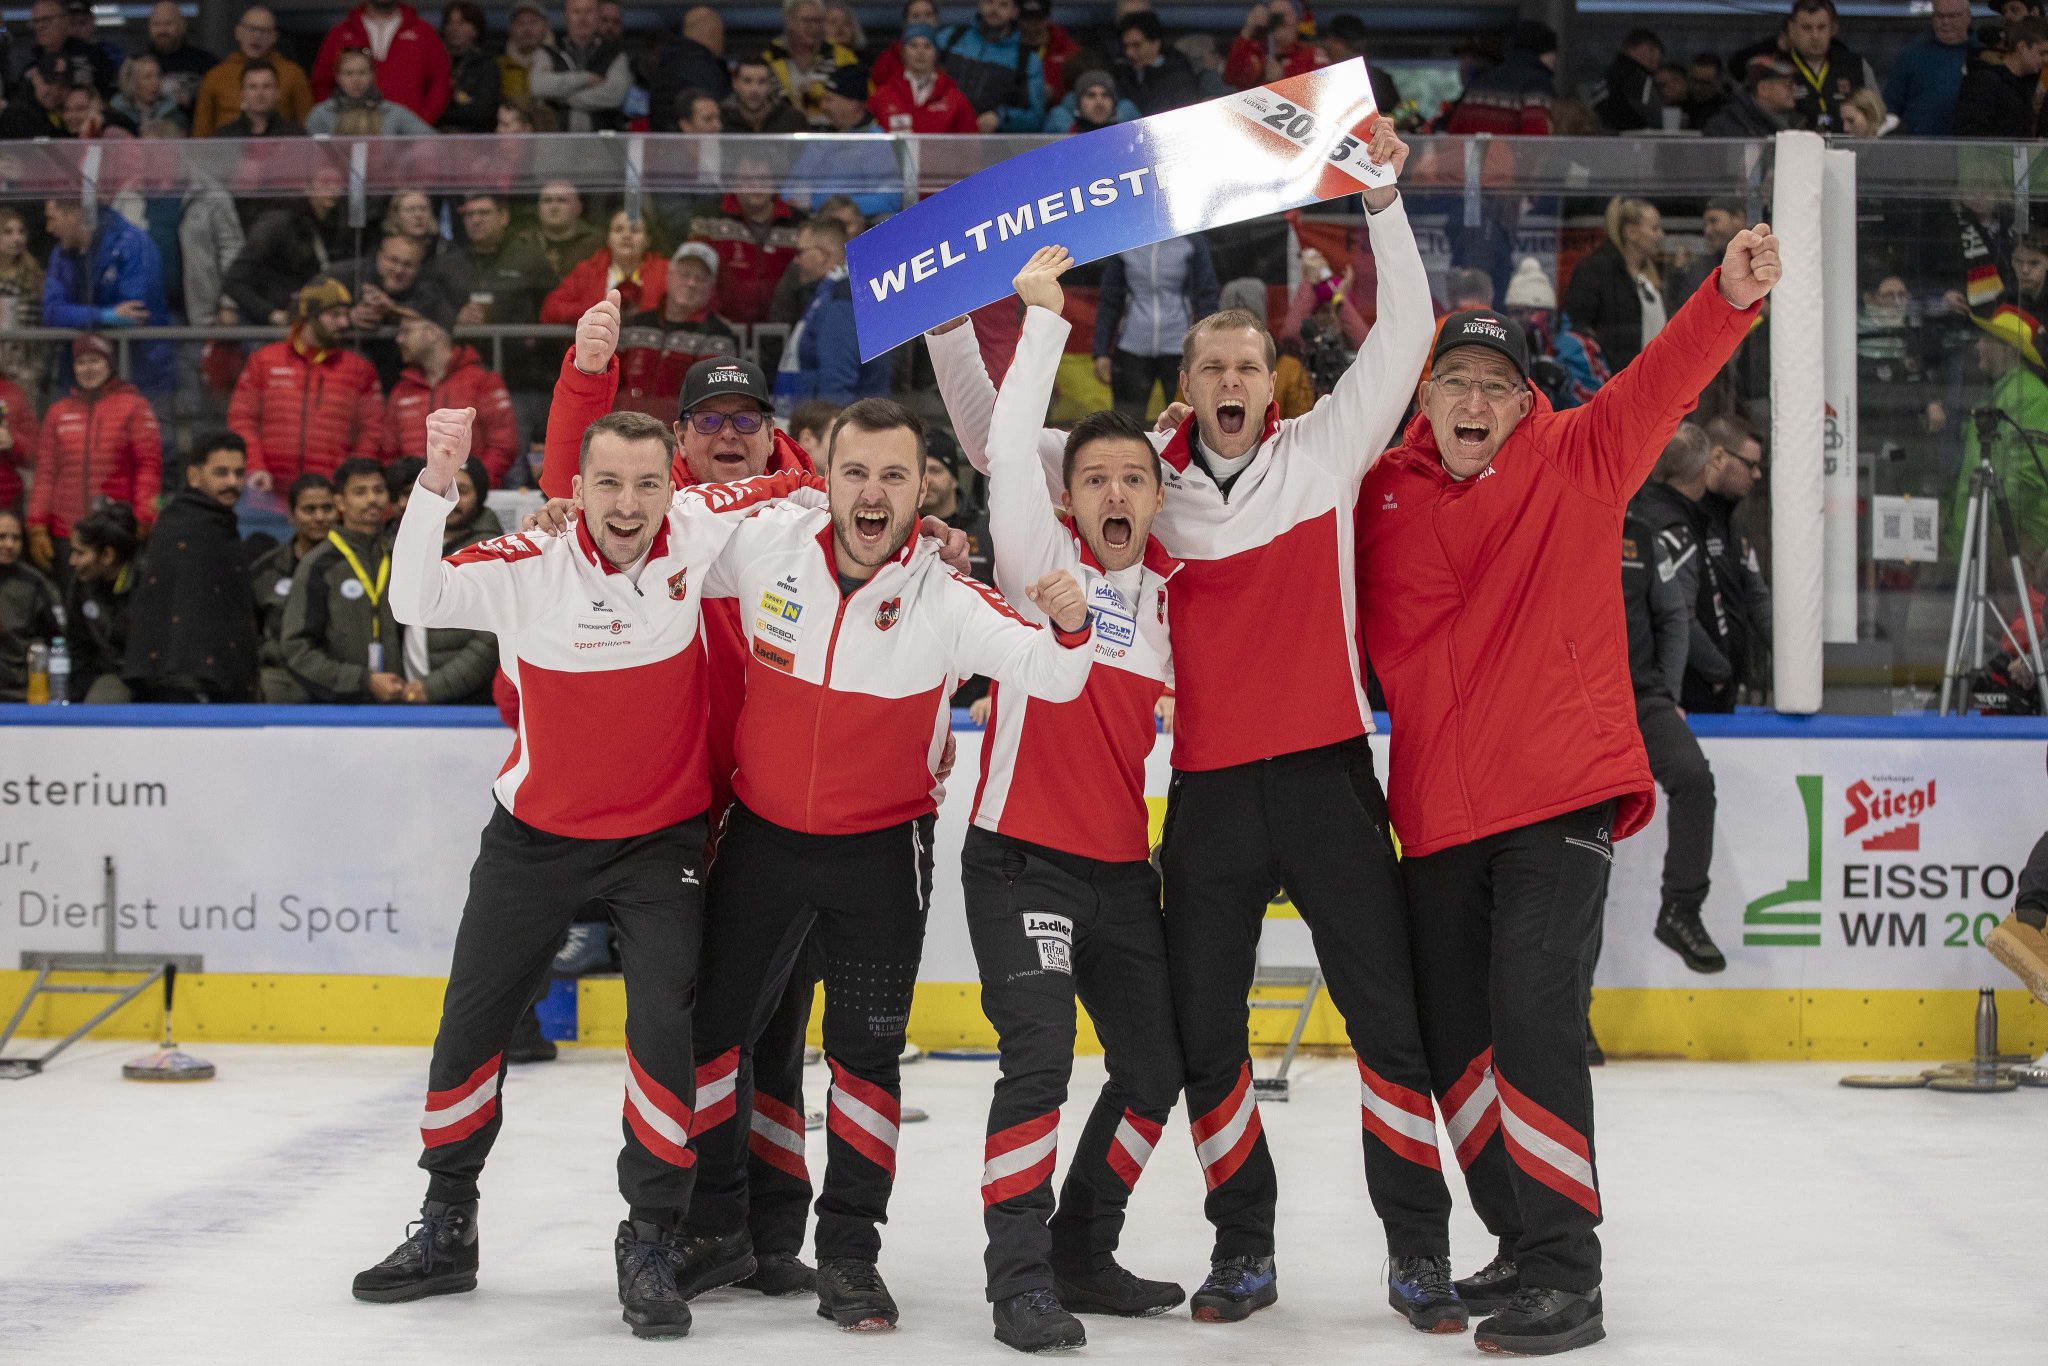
column 20, row 429
column 100, row 441
column 440, row 374
column 923, row 99
column 412, row 61
column 304, row 404
column 1492, row 613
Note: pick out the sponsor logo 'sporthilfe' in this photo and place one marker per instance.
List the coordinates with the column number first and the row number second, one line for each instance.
column 1247, row 154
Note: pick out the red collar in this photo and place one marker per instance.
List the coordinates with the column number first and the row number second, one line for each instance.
column 1179, row 451
column 787, row 455
column 655, row 549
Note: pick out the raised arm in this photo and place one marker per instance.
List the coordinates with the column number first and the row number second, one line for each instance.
column 1029, row 540
column 584, row 391
column 1613, row 441
column 970, row 399
column 477, row 587
column 1347, row 431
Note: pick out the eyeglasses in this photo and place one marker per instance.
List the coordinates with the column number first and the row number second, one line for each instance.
column 1755, row 467
column 1494, row 390
column 710, row 424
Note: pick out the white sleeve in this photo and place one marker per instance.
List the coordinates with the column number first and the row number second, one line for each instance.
column 1030, row 541
column 988, row 637
column 970, row 399
column 477, row 588
column 1348, row 429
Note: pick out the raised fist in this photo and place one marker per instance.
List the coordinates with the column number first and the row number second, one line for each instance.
column 1751, row 267
column 1060, row 597
column 597, row 334
column 448, row 432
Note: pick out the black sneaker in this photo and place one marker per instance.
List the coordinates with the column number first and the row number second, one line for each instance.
column 646, row 1260
column 1679, row 929
column 851, row 1294
column 705, row 1262
column 438, row 1257
column 1035, row 1322
column 777, row 1274
column 1113, row 1290
column 528, row 1043
column 1540, row 1322
column 1237, row 1288
column 1488, row 1290
column 1420, row 1290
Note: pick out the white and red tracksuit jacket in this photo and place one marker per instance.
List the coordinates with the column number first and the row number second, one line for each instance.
column 1068, row 775
column 1263, row 611
column 846, row 708
column 611, row 673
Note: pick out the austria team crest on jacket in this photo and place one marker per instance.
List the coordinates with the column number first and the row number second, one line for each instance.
column 678, row 585
column 886, row 614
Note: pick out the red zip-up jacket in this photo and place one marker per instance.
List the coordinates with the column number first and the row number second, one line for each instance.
column 587, row 280
column 750, row 259
column 1491, row 610
column 414, row 72
column 469, row 383
column 94, row 446
column 580, row 400
column 947, row 111
column 305, row 411
column 26, row 428
column 1245, row 67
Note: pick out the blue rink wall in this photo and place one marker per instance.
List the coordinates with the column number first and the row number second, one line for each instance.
column 315, row 860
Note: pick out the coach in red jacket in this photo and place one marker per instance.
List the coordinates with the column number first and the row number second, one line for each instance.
column 411, row 60
column 305, row 404
column 1493, row 616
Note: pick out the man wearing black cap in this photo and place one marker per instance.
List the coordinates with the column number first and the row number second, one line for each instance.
column 440, row 374
column 34, row 113
column 1764, row 104
column 1488, row 600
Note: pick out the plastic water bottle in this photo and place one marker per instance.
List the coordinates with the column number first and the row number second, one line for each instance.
column 60, row 672
column 38, row 672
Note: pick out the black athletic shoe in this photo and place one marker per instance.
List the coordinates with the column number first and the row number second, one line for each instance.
column 528, row 1043
column 851, row 1294
column 1540, row 1322
column 1113, row 1290
column 438, row 1257
column 1237, row 1288
column 1679, row 929
column 1488, row 1290
column 647, row 1281
column 777, row 1274
column 1035, row 1322
column 1420, row 1290
column 704, row 1262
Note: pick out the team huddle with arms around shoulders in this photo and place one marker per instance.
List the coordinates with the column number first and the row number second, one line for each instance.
column 734, row 673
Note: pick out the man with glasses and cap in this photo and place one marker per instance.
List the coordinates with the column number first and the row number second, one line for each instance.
column 1489, row 610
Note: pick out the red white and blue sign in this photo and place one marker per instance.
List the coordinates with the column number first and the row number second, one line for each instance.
column 1260, row 151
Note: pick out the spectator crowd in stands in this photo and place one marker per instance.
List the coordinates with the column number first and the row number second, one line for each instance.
column 305, row 439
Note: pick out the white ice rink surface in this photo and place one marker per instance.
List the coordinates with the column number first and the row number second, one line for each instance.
column 1756, row 1214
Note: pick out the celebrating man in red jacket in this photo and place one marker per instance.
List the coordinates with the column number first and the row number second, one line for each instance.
column 411, row 60
column 1492, row 616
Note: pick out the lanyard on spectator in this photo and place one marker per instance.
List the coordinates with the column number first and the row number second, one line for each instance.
column 374, row 591
column 1816, row 79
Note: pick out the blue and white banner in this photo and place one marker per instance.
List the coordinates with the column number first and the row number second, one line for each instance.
column 1261, row 151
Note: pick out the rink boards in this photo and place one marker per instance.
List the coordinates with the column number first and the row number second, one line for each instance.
column 316, row 860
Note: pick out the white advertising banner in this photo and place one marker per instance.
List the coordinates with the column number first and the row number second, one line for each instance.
column 1838, row 862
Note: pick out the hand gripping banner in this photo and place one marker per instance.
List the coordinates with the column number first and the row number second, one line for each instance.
column 1294, row 142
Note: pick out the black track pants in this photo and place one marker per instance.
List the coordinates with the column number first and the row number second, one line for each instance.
column 1047, row 926
column 1681, row 770
column 861, row 898
column 1505, row 930
column 1314, row 822
column 524, row 889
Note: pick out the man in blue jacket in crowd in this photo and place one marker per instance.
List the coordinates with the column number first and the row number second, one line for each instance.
column 822, row 359
column 1002, row 79
column 105, row 273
